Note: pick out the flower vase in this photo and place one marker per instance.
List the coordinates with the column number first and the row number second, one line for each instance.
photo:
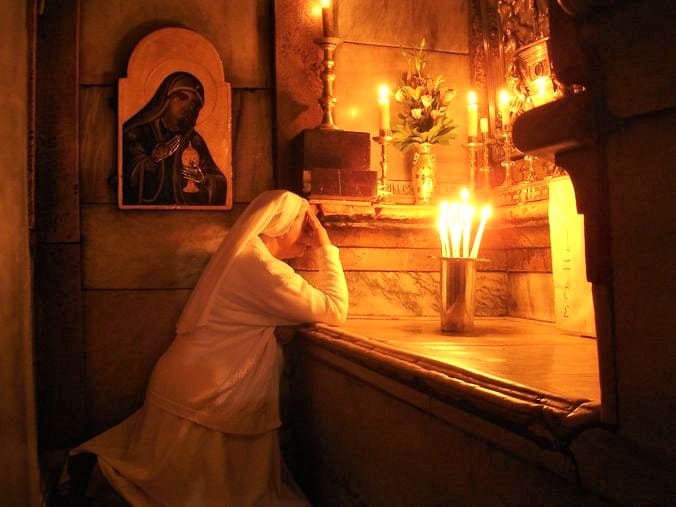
column 424, row 173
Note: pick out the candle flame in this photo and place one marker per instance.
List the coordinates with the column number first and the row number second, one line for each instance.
column 455, row 227
column 505, row 99
column 383, row 94
column 326, row 4
column 472, row 97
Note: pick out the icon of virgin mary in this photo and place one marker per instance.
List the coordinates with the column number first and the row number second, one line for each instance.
column 165, row 160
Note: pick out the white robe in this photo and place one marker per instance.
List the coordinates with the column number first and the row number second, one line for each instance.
column 207, row 432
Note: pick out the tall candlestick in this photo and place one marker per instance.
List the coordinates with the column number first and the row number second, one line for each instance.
column 327, row 18
column 504, row 101
column 472, row 114
column 384, row 103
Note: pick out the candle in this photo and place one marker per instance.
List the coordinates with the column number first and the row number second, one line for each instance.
column 443, row 227
column 466, row 212
column 456, row 229
column 543, row 91
column 472, row 114
column 384, row 103
column 327, row 18
column 485, row 213
column 504, row 100
column 483, row 125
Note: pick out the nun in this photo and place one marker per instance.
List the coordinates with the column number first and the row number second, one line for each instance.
column 207, row 433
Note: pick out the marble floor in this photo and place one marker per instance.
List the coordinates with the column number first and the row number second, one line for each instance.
column 526, row 352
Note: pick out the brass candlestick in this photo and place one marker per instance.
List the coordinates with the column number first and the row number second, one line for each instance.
column 485, row 169
column 383, row 138
column 507, row 163
column 327, row 100
column 472, row 146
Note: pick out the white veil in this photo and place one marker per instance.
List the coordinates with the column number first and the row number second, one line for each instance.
column 271, row 213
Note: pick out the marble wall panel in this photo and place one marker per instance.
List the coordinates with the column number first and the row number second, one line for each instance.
column 126, row 331
column 398, row 23
column 148, row 249
column 491, row 294
column 387, row 236
column 361, row 69
column 415, row 294
column 531, row 296
column 526, row 236
column 529, row 260
column 240, row 32
column 251, row 143
column 400, row 259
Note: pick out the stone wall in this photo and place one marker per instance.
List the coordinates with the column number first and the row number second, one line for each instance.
column 370, row 55
column 19, row 484
column 113, row 282
column 392, row 265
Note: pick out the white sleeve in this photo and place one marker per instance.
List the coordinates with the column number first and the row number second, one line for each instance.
column 279, row 292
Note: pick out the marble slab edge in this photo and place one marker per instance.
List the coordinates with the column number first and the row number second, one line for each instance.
column 550, row 420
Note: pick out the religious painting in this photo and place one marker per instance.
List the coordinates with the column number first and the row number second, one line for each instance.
column 174, row 125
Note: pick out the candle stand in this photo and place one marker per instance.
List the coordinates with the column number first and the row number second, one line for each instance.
column 472, row 146
column 383, row 138
column 485, row 170
column 507, row 163
column 327, row 100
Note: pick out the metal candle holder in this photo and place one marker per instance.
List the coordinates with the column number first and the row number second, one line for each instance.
column 383, row 138
column 327, row 100
column 472, row 146
column 485, row 169
column 507, row 163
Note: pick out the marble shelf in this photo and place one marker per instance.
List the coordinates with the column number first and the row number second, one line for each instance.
column 518, row 373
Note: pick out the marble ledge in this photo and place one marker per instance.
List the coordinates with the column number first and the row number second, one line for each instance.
column 411, row 352
column 347, row 211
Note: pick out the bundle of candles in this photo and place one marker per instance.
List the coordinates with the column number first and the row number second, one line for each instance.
column 455, row 227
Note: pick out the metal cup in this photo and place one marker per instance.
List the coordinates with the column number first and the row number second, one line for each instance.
column 458, row 281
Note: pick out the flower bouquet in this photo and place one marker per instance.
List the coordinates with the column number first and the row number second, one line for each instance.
column 424, row 118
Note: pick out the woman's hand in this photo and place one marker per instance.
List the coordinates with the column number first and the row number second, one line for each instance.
column 166, row 149
column 314, row 233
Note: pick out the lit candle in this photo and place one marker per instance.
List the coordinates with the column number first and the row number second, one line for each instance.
column 444, row 229
column 544, row 91
column 483, row 125
column 456, row 231
column 327, row 18
column 472, row 114
column 485, row 213
column 466, row 212
column 384, row 103
column 504, row 100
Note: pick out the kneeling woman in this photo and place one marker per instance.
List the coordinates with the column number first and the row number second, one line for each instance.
column 207, row 432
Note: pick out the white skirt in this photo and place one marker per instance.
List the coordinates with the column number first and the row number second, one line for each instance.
column 154, row 458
